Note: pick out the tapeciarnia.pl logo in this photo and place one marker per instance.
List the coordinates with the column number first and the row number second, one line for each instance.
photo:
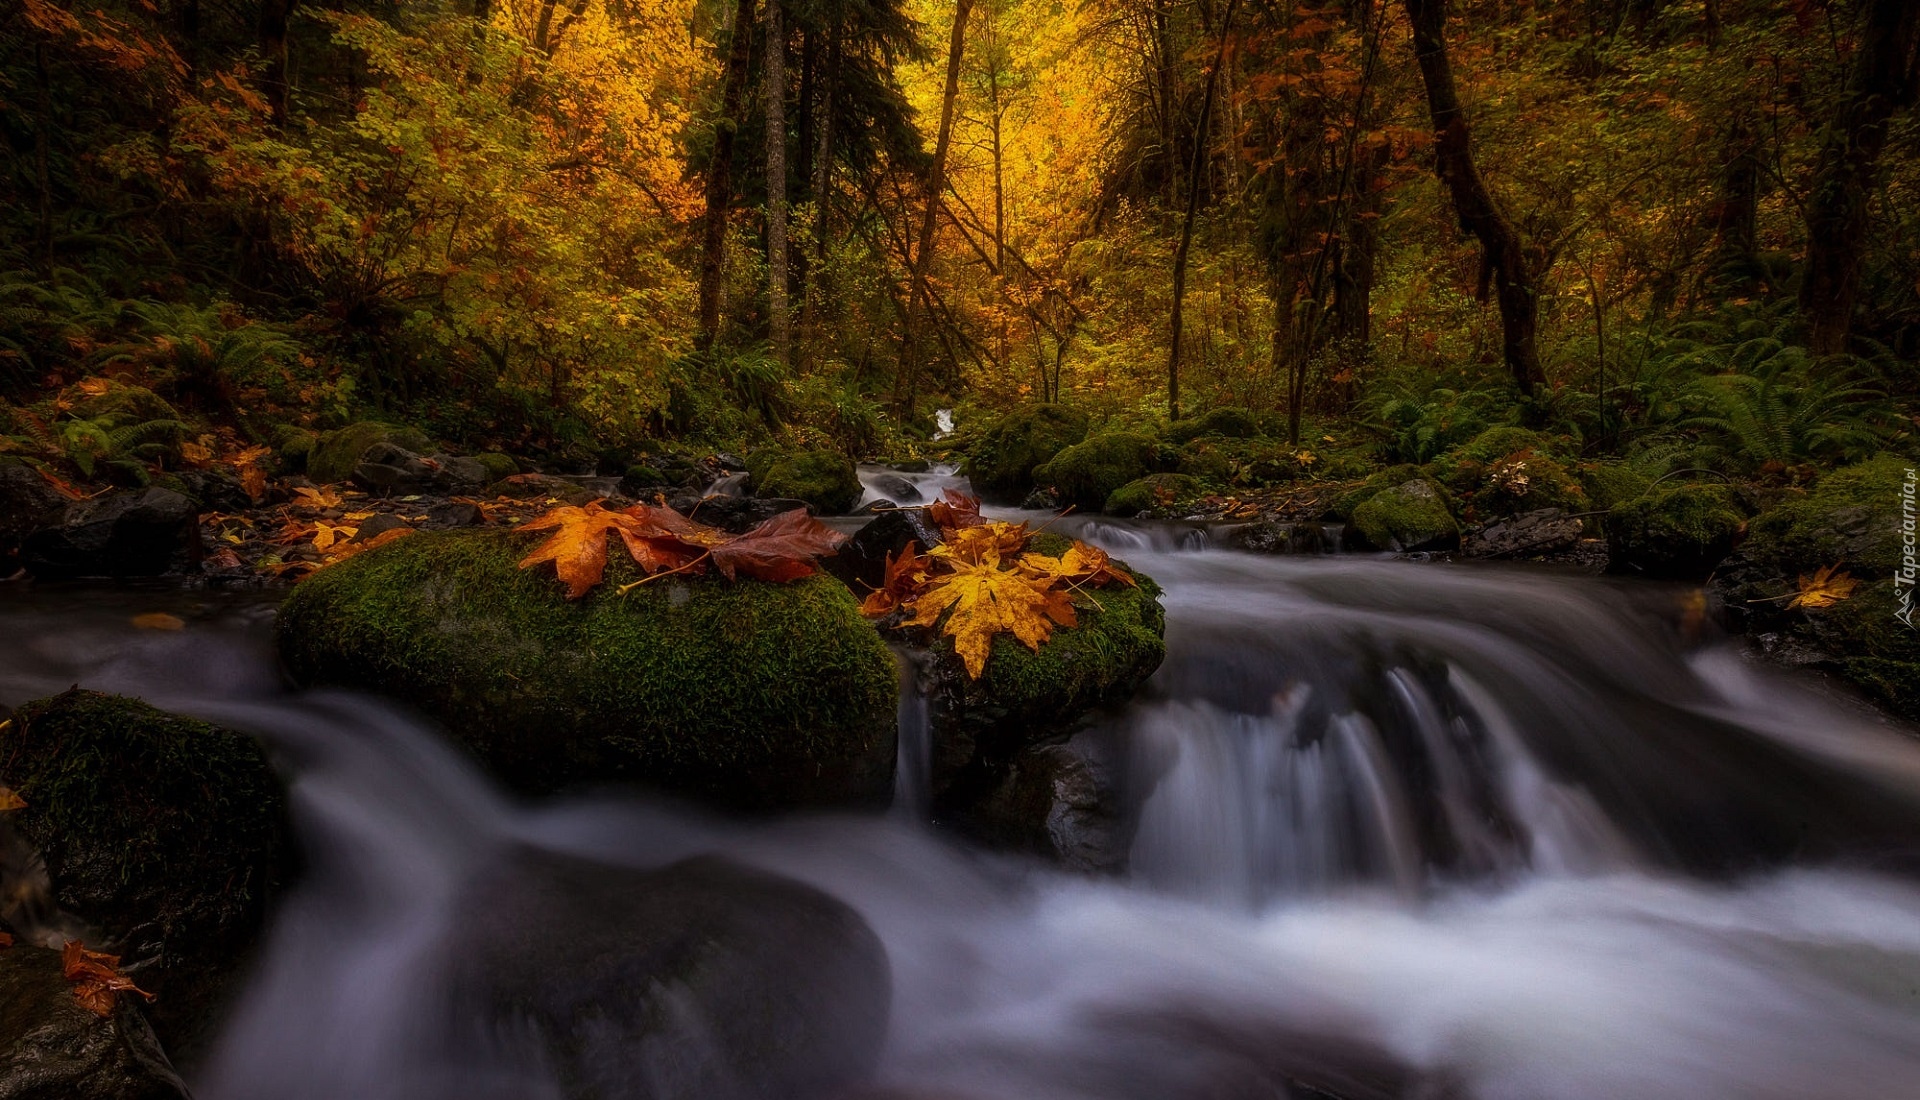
column 1903, row 581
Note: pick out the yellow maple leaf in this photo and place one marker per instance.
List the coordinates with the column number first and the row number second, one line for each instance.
column 326, row 534
column 975, row 544
column 320, row 499
column 1825, row 588
column 93, row 387
column 981, row 600
column 1080, row 563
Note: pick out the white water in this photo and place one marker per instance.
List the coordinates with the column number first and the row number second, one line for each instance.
column 1419, row 830
column 906, row 489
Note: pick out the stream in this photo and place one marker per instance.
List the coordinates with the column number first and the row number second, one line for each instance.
column 1429, row 830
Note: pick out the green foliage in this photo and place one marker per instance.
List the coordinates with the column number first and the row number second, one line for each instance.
column 1416, row 428
column 1680, row 531
column 1777, row 405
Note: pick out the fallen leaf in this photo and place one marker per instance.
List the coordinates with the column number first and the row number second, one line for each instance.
column 781, row 549
column 10, row 802
column 325, row 535
column 578, row 546
column 905, row 573
column 1079, row 564
column 93, row 387
column 319, row 499
column 96, row 978
column 975, row 544
column 159, row 620
column 1824, row 589
column 6, row 941
column 954, row 510
column 196, row 454
column 224, row 559
column 64, row 488
column 981, row 600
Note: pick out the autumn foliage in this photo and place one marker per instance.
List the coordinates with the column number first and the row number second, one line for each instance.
column 96, row 978
column 981, row 582
column 661, row 541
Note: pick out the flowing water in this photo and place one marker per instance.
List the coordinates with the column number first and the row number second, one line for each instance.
column 1416, row 830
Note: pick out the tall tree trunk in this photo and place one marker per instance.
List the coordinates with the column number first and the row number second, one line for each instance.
column 713, row 231
column 922, row 260
column 821, row 188
column 1503, row 257
column 775, row 71
column 1737, row 210
column 273, row 54
column 1195, row 174
column 1882, row 81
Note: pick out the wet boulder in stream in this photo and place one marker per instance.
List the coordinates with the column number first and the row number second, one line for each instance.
column 741, row 694
column 53, row 1049
column 132, row 533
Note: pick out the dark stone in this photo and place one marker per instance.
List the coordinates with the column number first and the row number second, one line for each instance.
column 732, row 464
column 541, row 487
column 379, row 525
column 389, row 468
column 897, row 489
column 27, row 504
column 138, row 533
column 1276, row 537
column 862, row 560
column 703, row 980
column 214, row 491
column 453, row 513
column 457, row 474
column 1060, row 800
column 53, row 1049
column 1041, row 500
column 166, row 834
column 1542, row 531
column 734, row 515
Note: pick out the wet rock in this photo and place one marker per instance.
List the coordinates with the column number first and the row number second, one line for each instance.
column 1276, row 537
column 1155, row 491
column 734, row 515
column 743, row 694
column 27, row 504
column 387, row 468
column 642, row 482
column 1543, row 531
column 53, row 1049
column 1001, row 462
column 704, row 980
column 135, row 533
column 862, row 561
column 897, row 489
column 453, row 513
column 1041, row 500
column 458, row 474
column 165, row 833
column 1411, row 516
column 1060, row 800
column 213, row 491
column 1676, row 533
column 543, row 487
column 379, row 525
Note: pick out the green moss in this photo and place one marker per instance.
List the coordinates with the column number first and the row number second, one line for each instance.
column 1153, row 491
column 1087, row 473
column 294, row 446
column 1348, row 502
column 1207, row 460
column 824, row 479
column 1679, row 532
column 1226, row 423
column 643, row 476
column 1506, row 470
column 1611, row 484
column 499, row 466
column 1001, row 461
column 336, row 453
column 1852, row 515
column 742, row 693
column 150, row 819
column 1409, row 516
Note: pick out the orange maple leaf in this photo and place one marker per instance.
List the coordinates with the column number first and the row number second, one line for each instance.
column 1080, row 563
column 661, row 540
column 10, row 802
column 980, row 600
column 1825, row 588
column 6, row 941
column 578, row 546
column 96, row 978
column 954, row 510
column 906, row 571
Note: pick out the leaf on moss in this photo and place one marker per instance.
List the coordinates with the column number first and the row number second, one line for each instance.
column 781, row 549
column 578, row 546
column 980, row 600
column 96, row 978
column 973, row 545
column 1080, row 564
column 906, row 572
column 1825, row 588
column 659, row 539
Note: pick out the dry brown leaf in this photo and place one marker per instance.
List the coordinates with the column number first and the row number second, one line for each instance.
column 6, row 941
column 1825, row 588
column 10, row 802
column 96, row 978
column 319, row 499
column 954, row 510
column 981, row 600
column 159, row 620
column 781, row 549
column 224, row 558
column 1079, row 564
column 93, row 387
column 906, row 571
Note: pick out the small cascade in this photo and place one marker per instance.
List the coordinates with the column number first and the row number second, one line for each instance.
column 905, row 488
column 728, row 485
column 913, row 767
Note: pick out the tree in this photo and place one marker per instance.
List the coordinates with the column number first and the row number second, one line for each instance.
column 1194, row 177
column 719, row 191
column 775, row 73
column 1885, row 72
column 922, row 259
column 1503, row 259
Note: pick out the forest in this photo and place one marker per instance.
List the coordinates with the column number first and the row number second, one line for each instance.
column 959, row 549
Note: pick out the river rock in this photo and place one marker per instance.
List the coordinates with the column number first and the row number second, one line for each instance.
column 28, row 502
column 53, row 1049
column 1280, row 537
column 132, row 533
column 1676, row 533
column 543, row 486
column 335, row 455
column 704, row 980
column 1542, row 531
column 1408, row 517
column 1000, row 464
column 1060, row 800
column 166, row 834
column 742, row 694
column 1089, row 472
column 862, row 560
column 824, row 479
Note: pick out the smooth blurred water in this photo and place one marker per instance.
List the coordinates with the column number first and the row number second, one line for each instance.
column 1414, row 830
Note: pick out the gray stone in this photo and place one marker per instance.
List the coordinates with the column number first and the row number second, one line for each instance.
column 53, row 1049
column 1541, row 531
column 135, row 533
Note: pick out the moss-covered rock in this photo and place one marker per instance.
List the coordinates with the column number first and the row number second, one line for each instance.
column 1505, row 471
column 1024, row 697
column 1852, row 518
column 1153, row 491
column 336, row 453
column 741, row 694
column 166, row 833
column 1350, row 499
column 1087, row 473
column 1608, row 485
column 1410, row 516
column 1209, row 460
column 824, row 479
column 1000, row 463
column 293, row 446
column 1226, row 423
column 499, row 466
column 1679, row 532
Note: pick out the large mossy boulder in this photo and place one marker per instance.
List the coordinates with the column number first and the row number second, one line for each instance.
column 1853, row 518
column 1001, row 462
column 53, row 1049
column 1087, row 473
column 826, row 480
column 740, row 694
column 1225, row 423
column 1410, row 516
column 165, row 833
column 1024, row 697
column 334, row 455
column 1505, row 471
column 1675, row 533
